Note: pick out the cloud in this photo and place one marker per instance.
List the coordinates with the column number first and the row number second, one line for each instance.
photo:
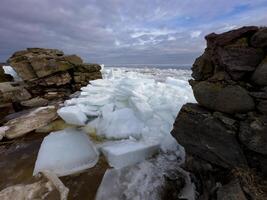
column 119, row 31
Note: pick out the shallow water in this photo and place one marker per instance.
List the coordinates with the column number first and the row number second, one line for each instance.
column 17, row 163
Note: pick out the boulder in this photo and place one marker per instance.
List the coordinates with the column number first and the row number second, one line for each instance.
column 214, row 40
column 30, row 121
column 259, row 39
column 207, row 137
column 35, row 102
column 10, row 92
column 202, row 68
column 262, row 106
column 231, row 191
column 253, row 135
column 259, row 77
column 237, row 61
column 229, row 99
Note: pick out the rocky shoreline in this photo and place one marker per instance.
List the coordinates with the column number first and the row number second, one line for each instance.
column 225, row 134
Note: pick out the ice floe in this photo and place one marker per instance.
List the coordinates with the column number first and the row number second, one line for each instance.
column 66, row 152
column 132, row 112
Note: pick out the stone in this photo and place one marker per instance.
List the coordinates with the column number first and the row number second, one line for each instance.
column 204, row 136
column 259, row 39
column 9, row 92
column 228, row 37
column 73, row 59
column 28, row 122
column 5, row 109
column 259, row 77
column 229, row 99
column 262, row 107
column 23, row 69
column 46, row 186
column 44, row 66
column 254, row 136
column 239, row 60
column 35, row 102
column 202, row 68
column 231, row 191
column 58, row 79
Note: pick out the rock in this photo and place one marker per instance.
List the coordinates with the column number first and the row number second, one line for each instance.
column 262, row 107
column 4, row 77
column 35, row 102
column 30, row 121
column 259, row 77
column 204, row 136
column 231, row 191
column 44, row 66
column 239, row 60
column 58, row 79
column 259, row 39
column 23, row 69
column 73, row 59
column 47, row 186
column 9, row 92
column 254, row 136
column 229, row 99
column 214, row 40
column 5, row 109
column 202, row 68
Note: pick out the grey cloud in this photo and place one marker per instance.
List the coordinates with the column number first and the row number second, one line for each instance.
column 119, row 31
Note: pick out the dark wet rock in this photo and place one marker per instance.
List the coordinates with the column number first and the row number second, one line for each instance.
column 205, row 136
column 259, row 77
column 202, row 68
column 262, row 107
column 231, row 191
column 228, row 99
column 214, row 40
column 254, row 136
column 259, row 39
column 239, row 60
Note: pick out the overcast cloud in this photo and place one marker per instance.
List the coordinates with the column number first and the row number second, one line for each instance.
column 123, row 31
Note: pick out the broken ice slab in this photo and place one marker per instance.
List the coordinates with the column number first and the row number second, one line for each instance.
column 146, row 180
column 72, row 115
column 128, row 152
column 66, row 152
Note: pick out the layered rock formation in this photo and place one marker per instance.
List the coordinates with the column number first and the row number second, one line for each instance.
column 48, row 77
column 227, row 129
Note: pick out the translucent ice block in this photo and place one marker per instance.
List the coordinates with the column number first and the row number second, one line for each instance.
column 66, row 152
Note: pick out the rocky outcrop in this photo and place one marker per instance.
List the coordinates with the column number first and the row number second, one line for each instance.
column 48, row 73
column 227, row 129
column 48, row 77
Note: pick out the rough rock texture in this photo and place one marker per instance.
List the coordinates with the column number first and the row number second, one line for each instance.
column 48, row 77
column 49, row 70
column 227, row 129
column 216, row 139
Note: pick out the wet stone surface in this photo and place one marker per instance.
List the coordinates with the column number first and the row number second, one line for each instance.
column 17, row 162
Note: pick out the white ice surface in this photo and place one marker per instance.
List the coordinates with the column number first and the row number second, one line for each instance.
column 66, row 152
column 73, row 115
column 138, row 103
column 9, row 70
column 143, row 181
column 128, row 152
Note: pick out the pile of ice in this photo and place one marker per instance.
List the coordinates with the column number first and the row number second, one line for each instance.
column 133, row 113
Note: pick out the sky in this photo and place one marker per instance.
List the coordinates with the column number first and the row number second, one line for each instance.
column 123, row 31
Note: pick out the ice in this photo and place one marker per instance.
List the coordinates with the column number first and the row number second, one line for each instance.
column 66, row 152
column 121, row 123
column 137, row 103
column 9, row 70
column 128, row 152
column 144, row 181
column 72, row 115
